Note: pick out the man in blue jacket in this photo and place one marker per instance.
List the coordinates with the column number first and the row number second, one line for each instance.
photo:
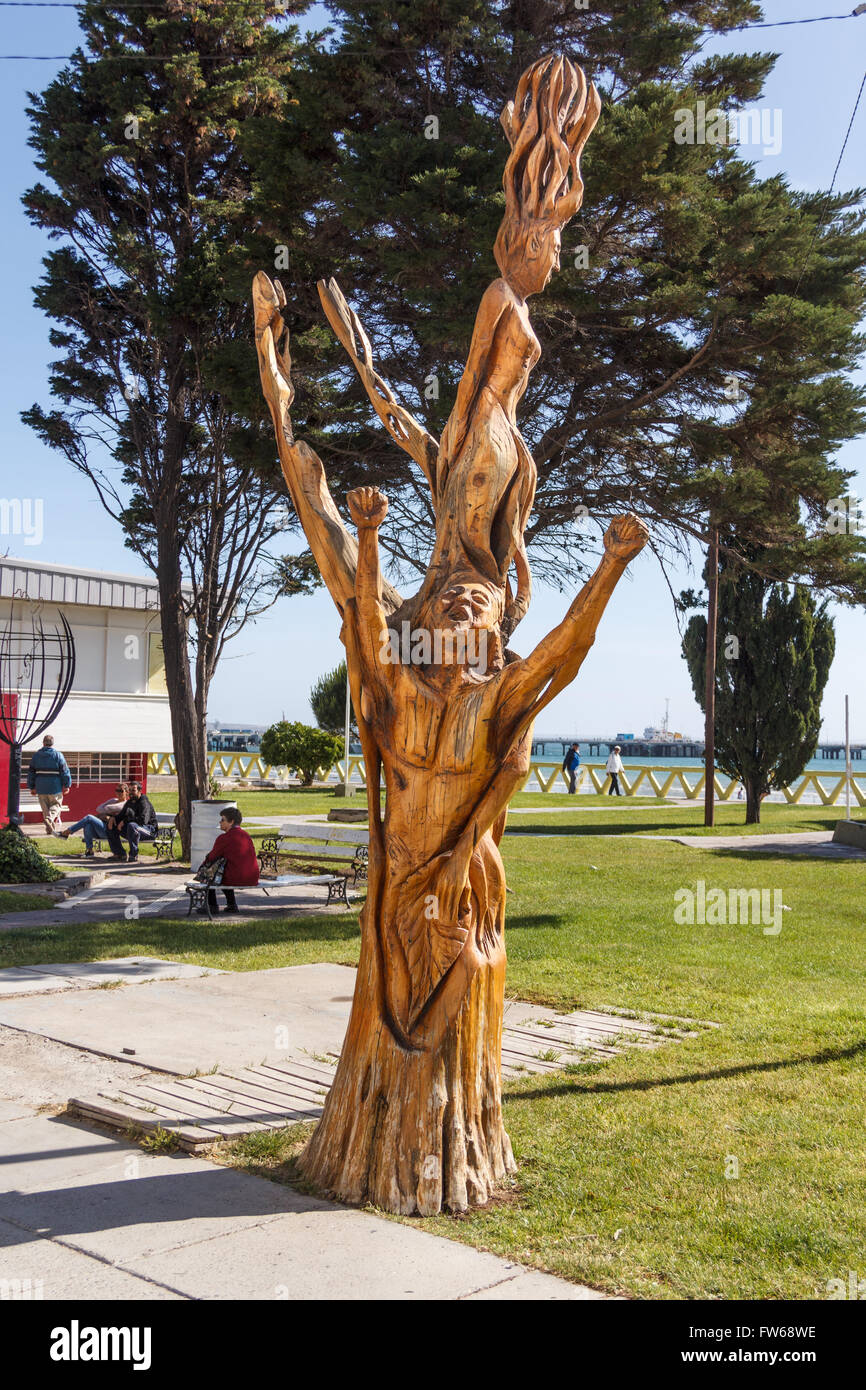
column 570, row 764
column 49, row 777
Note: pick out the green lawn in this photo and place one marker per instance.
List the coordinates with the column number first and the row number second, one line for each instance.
column 23, row 902
column 622, row 1166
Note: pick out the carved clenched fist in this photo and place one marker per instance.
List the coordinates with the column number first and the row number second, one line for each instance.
column 367, row 506
column 626, row 537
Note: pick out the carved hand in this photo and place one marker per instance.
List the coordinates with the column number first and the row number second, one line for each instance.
column 626, row 537
column 368, row 507
column 272, row 344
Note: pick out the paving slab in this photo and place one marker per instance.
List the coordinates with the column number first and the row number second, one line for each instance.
column 184, row 1026
column 32, row 1268
column 814, row 844
column 119, row 1223
column 34, row 979
column 44, row 1150
column 537, row 1287
column 11, row 1110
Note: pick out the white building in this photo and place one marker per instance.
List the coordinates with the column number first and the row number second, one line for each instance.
column 117, row 711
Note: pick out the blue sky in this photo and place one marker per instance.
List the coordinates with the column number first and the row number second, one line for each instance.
column 268, row 670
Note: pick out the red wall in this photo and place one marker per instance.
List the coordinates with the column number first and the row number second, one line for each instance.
column 83, row 798
column 8, row 703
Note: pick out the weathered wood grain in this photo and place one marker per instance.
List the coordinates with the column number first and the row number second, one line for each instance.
column 413, row 1121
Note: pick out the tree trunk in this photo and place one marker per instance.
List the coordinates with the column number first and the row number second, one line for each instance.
column 753, row 804
column 410, row 1129
column 188, row 741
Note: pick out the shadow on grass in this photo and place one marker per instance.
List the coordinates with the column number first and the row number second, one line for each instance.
column 517, row 920
column 592, row 827
column 576, row 1087
column 677, row 827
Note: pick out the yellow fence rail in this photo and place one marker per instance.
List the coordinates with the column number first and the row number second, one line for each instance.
column 659, row 782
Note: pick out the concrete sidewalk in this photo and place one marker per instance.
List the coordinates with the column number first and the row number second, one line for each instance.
column 85, row 1215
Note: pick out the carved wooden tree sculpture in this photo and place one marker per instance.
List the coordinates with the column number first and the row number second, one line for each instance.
column 413, row 1121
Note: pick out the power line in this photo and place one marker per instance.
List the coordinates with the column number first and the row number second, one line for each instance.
column 278, row 9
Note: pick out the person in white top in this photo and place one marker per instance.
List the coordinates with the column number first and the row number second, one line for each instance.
column 613, row 767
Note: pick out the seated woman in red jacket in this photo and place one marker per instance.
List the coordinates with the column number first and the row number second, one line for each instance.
column 236, row 847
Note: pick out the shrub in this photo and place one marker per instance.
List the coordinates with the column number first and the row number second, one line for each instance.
column 21, row 862
column 300, row 748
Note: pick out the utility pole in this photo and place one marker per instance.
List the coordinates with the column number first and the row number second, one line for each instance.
column 710, row 688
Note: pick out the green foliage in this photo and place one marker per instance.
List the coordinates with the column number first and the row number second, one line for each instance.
column 773, row 654
column 698, row 271
column 328, row 701
column 300, row 748
column 21, row 862
column 145, row 204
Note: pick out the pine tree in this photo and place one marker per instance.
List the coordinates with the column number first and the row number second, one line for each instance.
column 328, row 701
column 774, row 649
column 697, row 308
column 141, row 139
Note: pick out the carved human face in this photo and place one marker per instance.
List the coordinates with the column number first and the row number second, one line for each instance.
column 468, row 605
column 529, row 256
column 542, row 256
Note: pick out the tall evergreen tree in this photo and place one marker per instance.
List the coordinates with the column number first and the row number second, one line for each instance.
column 140, row 137
column 698, row 308
column 774, row 649
column 328, row 701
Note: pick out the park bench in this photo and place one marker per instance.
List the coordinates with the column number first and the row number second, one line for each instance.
column 163, row 840
column 334, row 846
column 330, row 845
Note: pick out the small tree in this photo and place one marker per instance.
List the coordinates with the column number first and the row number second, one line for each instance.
column 302, row 749
column 328, row 701
column 774, row 648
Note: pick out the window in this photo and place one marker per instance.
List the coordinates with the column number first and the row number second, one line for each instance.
column 156, row 666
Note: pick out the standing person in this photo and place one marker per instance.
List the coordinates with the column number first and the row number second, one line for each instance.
column 236, row 847
column 570, row 764
column 101, row 823
column 137, row 821
column 613, row 767
column 49, row 777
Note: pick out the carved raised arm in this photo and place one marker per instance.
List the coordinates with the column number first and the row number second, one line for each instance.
column 528, row 685
column 334, row 548
column 403, row 428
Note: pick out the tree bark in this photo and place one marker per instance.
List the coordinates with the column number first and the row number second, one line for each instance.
column 753, row 804
column 413, row 1121
column 415, row 1129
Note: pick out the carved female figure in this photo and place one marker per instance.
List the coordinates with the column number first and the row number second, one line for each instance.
column 413, row 1121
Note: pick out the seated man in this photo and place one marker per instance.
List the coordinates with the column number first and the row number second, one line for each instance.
column 137, row 821
column 236, row 847
column 101, row 824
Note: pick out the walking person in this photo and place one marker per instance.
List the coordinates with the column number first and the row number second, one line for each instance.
column 100, row 824
column 613, row 767
column 49, row 777
column 137, row 821
column 570, row 765
column 237, row 848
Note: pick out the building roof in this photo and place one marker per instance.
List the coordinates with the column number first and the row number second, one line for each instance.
column 67, row 584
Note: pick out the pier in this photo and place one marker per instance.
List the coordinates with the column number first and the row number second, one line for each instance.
column 599, row 746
